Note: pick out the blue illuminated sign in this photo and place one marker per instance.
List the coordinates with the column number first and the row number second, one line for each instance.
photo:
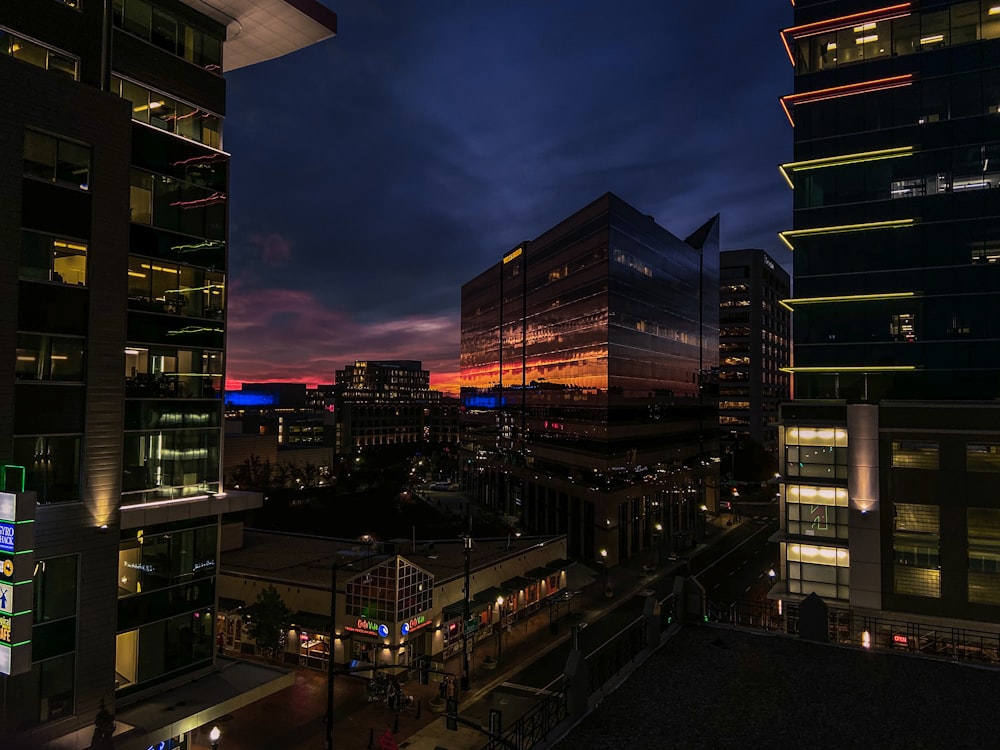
column 484, row 402
column 383, row 630
column 6, row 537
column 249, row 398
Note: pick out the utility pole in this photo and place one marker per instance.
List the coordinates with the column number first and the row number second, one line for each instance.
column 466, row 614
column 328, row 744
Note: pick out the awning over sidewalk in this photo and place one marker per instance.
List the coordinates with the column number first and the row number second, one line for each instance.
column 515, row 584
column 454, row 611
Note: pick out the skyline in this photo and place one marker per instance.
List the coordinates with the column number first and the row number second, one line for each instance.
column 442, row 137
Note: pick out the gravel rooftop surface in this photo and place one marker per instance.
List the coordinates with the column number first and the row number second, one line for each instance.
column 719, row 688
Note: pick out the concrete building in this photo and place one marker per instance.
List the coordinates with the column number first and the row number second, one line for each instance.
column 113, row 230
column 754, row 347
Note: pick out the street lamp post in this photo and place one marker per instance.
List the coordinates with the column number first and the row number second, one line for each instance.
column 466, row 615
column 328, row 744
column 213, row 737
column 604, row 565
column 501, row 612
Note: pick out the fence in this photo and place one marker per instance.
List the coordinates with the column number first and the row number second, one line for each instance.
column 616, row 653
column 878, row 633
column 534, row 726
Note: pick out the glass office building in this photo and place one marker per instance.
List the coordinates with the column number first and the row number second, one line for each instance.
column 114, row 233
column 585, row 358
column 896, row 175
column 888, row 452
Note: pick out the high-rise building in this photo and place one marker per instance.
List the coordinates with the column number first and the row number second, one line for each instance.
column 895, row 175
column 754, row 347
column 113, row 231
column 586, row 396
column 887, row 483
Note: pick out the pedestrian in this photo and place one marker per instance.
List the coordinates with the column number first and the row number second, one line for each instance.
column 222, row 643
column 443, row 688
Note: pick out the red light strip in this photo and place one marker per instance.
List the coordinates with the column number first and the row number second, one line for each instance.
column 841, row 22
column 836, row 92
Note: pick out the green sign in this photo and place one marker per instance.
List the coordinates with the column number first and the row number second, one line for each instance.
column 471, row 626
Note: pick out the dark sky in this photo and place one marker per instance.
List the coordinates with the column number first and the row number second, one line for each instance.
column 376, row 172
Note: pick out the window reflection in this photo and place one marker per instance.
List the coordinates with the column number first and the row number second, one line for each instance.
column 45, row 357
column 38, row 55
column 173, row 373
column 49, row 258
column 55, row 159
column 167, row 113
column 171, row 34
column 159, row 286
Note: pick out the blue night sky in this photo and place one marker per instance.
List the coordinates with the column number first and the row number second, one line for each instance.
column 376, row 172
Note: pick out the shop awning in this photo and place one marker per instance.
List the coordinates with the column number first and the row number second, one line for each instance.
column 454, row 611
column 311, row 621
column 489, row 596
column 515, row 584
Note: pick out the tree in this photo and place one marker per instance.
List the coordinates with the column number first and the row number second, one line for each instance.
column 104, row 729
column 269, row 621
column 253, row 474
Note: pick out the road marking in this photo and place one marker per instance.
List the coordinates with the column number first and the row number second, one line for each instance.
column 747, row 588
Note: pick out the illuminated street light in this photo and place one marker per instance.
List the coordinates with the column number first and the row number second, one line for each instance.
column 214, row 736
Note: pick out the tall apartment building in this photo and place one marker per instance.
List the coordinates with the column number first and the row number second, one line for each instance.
column 387, row 403
column 754, row 347
column 113, row 231
column 584, row 363
column 888, row 484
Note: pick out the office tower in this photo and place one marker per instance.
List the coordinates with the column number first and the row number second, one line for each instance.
column 887, row 483
column 113, row 231
column 585, row 362
column 754, row 347
column 381, row 404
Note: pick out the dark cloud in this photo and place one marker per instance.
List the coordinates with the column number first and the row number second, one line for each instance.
column 375, row 173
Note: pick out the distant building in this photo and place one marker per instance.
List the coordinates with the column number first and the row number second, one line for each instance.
column 113, row 232
column 754, row 347
column 388, row 403
column 890, row 454
column 586, row 368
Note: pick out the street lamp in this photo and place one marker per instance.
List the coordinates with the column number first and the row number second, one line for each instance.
column 500, row 618
column 604, row 564
column 213, row 737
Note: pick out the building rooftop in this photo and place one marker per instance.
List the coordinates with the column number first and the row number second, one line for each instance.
column 259, row 30
column 712, row 687
column 306, row 560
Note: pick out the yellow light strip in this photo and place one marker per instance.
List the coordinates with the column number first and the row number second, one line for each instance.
column 788, row 303
column 852, row 368
column 842, row 160
column 790, row 234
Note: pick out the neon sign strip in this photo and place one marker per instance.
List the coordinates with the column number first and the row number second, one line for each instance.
column 790, row 234
column 835, row 92
column 841, row 22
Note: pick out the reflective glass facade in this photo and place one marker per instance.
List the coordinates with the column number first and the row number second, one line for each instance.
column 897, row 220
column 583, row 356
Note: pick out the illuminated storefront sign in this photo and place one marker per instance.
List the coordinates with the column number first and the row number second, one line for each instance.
column 414, row 624
column 369, row 627
column 6, row 536
column 17, row 567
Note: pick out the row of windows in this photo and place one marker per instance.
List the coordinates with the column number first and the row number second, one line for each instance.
column 58, row 160
column 169, row 33
column 159, row 286
column 963, row 99
column 175, row 205
column 169, row 114
column 46, row 58
column 964, row 23
column 928, row 173
column 924, row 454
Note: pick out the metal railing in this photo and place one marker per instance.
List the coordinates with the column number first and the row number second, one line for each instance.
column 534, row 725
column 615, row 654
